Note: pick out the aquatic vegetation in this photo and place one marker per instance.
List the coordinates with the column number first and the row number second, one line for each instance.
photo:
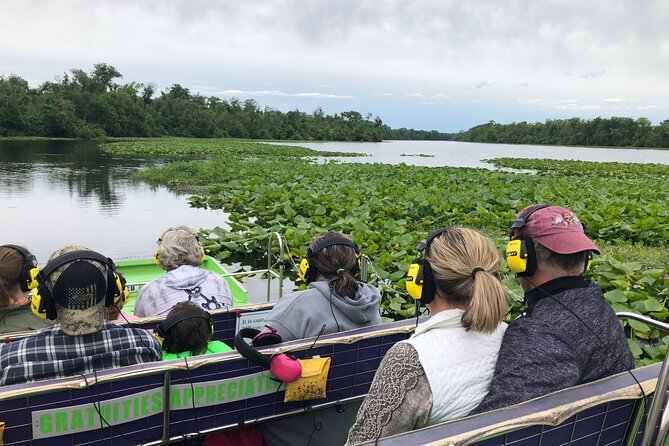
column 388, row 208
column 186, row 147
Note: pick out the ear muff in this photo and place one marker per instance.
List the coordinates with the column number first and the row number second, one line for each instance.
column 282, row 366
column 28, row 275
column 588, row 260
column 266, row 337
column 520, row 253
column 308, row 274
column 162, row 330
column 43, row 303
column 521, row 257
column 420, row 281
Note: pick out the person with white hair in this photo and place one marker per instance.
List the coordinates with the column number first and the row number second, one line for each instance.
column 180, row 254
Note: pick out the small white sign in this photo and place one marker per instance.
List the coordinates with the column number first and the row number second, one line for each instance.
column 254, row 319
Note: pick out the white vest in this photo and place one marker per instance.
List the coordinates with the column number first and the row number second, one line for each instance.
column 459, row 364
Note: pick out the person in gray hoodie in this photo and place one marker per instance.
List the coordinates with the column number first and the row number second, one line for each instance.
column 179, row 253
column 333, row 298
column 336, row 300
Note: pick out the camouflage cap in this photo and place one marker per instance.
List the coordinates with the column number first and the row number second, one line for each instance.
column 78, row 289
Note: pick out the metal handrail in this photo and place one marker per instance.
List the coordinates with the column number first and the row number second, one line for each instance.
column 282, row 244
column 659, row 400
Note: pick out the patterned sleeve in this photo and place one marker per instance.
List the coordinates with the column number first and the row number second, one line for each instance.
column 399, row 400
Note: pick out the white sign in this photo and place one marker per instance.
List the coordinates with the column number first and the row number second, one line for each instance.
column 253, row 319
column 85, row 417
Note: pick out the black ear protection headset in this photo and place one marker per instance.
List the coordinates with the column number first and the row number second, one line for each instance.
column 420, row 281
column 81, row 274
column 282, row 366
column 520, row 253
column 28, row 276
column 308, row 273
column 162, row 330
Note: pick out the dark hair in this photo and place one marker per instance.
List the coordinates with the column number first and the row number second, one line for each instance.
column 11, row 264
column 331, row 260
column 560, row 264
column 190, row 335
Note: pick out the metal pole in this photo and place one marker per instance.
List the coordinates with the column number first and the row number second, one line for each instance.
column 660, row 389
column 364, row 268
column 166, row 408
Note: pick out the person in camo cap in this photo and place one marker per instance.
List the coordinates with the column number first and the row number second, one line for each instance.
column 569, row 334
column 81, row 341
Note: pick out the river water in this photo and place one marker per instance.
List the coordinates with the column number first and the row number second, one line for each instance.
column 54, row 193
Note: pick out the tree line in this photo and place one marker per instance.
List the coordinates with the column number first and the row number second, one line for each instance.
column 93, row 105
column 615, row 132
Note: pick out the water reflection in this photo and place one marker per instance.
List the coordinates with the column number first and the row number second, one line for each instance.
column 54, row 193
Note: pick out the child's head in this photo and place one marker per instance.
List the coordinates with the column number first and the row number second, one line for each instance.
column 187, row 328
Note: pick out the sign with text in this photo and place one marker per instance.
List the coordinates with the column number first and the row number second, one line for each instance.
column 85, row 417
column 254, row 319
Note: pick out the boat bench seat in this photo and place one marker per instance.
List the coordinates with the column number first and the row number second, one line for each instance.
column 604, row 412
column 228, row 390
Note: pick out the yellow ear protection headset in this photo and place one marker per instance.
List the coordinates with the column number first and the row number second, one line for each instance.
column 420, row 281
column 162, row 331
column 520, row 253
column 308, row 273
column 79, row 275
column 28, row 276
column 160, row 240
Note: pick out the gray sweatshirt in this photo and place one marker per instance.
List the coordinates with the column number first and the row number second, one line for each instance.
column 302, row 314
column 206, row 288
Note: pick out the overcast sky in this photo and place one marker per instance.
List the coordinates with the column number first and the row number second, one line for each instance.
column 444, row 65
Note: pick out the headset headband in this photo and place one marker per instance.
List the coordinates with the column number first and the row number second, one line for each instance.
column 26, row 254
column 423, row 244
column 76, row 255
column 187, row 313
column 520, row 222
column 331, row 241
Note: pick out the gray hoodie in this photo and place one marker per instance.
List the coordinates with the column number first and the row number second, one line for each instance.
column 205, row 288
column 302, row 314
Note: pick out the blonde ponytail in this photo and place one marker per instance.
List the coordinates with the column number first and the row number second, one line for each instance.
column 465, row 266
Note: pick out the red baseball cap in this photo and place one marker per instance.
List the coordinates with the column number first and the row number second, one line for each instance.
column 556, row 228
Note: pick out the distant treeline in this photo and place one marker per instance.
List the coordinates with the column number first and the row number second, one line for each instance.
column 617, row 132
column 93, row 105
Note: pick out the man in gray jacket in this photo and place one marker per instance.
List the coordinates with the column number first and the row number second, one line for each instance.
column 569, row 334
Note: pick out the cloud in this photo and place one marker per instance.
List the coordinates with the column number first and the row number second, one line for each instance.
column 279, row 93
column 383, row 94
column 650, row 107
column 484, row 84
column 426, row 103
column 441, row 96
column 524, row 84
column 593, row 75
column 475, row 101
column 530, row 101
column 615, row 100
column 414, row 95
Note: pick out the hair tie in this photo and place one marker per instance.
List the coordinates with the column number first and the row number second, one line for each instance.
column 476, row 270
column 340, row 271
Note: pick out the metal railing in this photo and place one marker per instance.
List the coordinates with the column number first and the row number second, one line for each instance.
column 660, row 399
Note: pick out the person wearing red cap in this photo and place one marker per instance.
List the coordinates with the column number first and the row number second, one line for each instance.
column 568, row 334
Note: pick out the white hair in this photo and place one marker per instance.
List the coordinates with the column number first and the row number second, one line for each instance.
column 179, row 246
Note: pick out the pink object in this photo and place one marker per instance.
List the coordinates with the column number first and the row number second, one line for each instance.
column 558, row 229
column 285, row 369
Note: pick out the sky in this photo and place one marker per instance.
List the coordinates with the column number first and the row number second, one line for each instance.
column 443, row 65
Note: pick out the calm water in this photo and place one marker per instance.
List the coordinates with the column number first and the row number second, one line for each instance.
column 461, row 154
column 54, row 193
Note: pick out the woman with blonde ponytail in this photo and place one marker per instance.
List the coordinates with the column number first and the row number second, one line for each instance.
column 444, row 370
